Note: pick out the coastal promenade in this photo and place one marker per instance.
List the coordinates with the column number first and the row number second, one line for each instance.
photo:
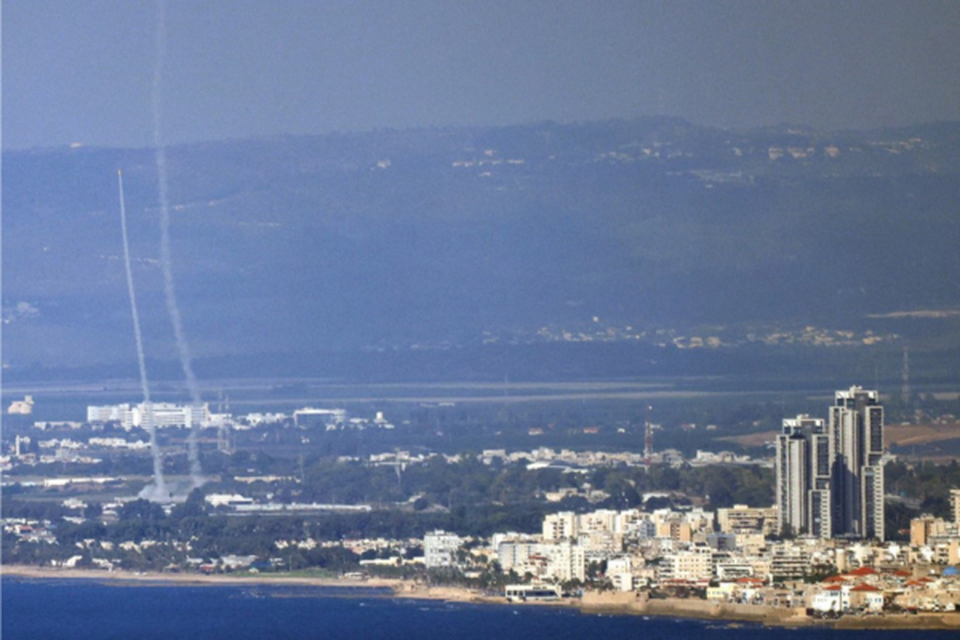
column 610, row 603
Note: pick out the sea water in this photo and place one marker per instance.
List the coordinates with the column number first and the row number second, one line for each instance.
column 81, row 609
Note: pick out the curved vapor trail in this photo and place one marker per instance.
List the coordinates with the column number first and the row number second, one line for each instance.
column 183, row 348
column 159, row 489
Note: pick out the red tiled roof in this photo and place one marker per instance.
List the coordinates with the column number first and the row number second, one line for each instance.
column 834, row 587
column 835, row 579
column 863, row 571
column 864, row 587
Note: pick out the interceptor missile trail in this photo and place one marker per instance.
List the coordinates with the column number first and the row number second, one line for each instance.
column 173, row 309
column 159, row 489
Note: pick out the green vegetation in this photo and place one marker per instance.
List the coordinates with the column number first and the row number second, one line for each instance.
column 469, row 498
column 917, row 488
column 469, row 484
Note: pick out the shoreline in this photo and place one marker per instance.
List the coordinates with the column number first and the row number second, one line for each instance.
column 607, row 603
column 194, row 579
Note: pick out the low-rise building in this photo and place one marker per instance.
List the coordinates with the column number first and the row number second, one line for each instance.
column 743, row 519
column 691, row 564
column 21, row 407
column 158, row 414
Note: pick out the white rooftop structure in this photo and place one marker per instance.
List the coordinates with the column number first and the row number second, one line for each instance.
column 161, row 414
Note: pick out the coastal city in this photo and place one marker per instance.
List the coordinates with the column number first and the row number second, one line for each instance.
column 819, row 549
column 480, row 320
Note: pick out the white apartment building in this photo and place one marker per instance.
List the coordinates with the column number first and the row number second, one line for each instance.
column 620, row 573
column 600, row 544
column 565, row 561
column 833, row 598
column 788, row 560
column 695, row 563
column 440, row 549
column 564, row 525
column 733, row 567
column 560, row 561
column 515, row 555
column 601, row 520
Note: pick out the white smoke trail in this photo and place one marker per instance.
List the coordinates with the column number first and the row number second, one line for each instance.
column 158, row 490
column 183, row 348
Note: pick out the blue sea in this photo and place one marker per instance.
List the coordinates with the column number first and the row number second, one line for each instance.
column 80, row 609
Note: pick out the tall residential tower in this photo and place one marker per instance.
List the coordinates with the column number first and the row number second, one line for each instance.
column 803, row 477
column 856, row 479
column 829, row 476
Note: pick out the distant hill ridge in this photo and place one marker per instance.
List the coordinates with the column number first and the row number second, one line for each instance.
column 391, row 238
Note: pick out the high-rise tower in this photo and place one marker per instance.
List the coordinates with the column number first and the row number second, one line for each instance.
column 856, row 478
column 803, row 477
column 955, row 505
column 829, row 476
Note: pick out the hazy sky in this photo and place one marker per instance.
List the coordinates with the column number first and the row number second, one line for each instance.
column 82, row 70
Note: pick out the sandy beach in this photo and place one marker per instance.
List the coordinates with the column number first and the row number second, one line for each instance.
column 611, row 603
